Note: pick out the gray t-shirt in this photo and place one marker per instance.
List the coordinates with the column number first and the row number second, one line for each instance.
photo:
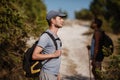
column 53, row 65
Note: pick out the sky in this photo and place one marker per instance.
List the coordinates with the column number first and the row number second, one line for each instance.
column 67, row 5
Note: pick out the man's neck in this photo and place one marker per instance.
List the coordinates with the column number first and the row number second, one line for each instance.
column 54, row 30
column 97, row 28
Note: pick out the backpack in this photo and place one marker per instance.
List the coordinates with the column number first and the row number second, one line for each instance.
column 107, row 47
column 32, row 67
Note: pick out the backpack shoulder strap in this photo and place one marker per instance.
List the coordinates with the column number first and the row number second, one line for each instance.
column 53, row 39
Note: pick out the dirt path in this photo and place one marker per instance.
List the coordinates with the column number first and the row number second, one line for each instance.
column 75, row 60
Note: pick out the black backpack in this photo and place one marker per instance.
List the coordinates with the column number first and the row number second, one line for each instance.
column 32, row 67
column 107, row 46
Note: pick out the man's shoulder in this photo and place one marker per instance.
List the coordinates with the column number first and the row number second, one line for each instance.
column 44, row 34
column 44, row 37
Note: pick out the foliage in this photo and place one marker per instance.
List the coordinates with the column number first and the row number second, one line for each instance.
column 113, row 70
column 18, row 21
column 35, row 19
column 98, row 7
column 118, row 46
column 109, row 11
column 84, row 14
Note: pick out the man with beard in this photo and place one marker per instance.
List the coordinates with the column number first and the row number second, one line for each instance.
column 45, row 49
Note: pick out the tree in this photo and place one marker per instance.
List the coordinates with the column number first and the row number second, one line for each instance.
column 109, row 11
column 84, row 14
column 19, row 20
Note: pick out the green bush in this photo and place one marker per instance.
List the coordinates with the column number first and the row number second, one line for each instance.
column 19, row 20
column 112, row 70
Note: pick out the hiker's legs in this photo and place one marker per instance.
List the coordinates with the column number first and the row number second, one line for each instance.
column 46, row 76
column 96, row 68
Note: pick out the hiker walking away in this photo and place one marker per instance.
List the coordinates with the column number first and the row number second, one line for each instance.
column 96, row 48
column 45, row 49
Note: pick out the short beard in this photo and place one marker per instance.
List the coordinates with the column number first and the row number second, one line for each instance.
column 57, row 26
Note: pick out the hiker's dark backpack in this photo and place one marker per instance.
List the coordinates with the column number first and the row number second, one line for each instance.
column 108, row 46
column 32, row 67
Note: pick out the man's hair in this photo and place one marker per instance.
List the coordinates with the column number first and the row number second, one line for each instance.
column 98, row 22
column 49, row 21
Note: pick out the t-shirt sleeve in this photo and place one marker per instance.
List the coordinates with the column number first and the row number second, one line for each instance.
column 43, row 40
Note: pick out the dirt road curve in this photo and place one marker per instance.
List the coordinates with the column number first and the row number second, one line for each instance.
column 75, row 60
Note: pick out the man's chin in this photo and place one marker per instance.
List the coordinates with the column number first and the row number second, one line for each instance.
column 59, row 26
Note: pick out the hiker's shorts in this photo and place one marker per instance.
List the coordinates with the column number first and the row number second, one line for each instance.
column 46, row 76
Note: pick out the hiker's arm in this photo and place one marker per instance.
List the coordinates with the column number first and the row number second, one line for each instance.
column 97, row 41
column 38, row 56
column 58, row 77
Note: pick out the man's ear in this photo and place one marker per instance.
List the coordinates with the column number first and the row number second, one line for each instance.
column 52, row 20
